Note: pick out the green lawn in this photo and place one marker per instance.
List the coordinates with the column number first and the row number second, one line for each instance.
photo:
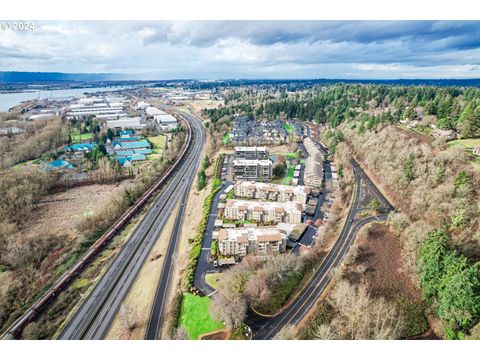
column 466, row 143
column 281, row 294
column 289, row 177
column 77, row 137
column 194, row 316
column 157, row 141
column 292, row 155
column 288, row 128
column 213, row 279
column 226, row 139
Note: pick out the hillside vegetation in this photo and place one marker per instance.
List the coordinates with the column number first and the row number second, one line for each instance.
column 434, row 185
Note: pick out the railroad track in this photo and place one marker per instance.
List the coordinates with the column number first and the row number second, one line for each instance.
column 42, row 303
column 96, row 314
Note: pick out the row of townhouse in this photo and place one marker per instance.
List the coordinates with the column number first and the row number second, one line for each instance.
column 263, row 212
column 313, row 174
column 252, row 152
column 257, row 132
column 243, row 241
column 252, row 169
column 271, row 192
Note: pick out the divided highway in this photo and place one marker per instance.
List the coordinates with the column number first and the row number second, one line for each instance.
column 266, row 327
column 157, row 314
column 95, row 315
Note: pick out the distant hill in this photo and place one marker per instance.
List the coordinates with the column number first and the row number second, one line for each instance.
column 36, row 77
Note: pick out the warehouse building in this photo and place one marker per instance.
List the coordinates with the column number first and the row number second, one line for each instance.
column 126, row 123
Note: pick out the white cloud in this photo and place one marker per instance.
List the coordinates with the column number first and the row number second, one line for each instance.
column 221, row 49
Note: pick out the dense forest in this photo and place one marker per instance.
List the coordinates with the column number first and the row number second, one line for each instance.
column 434, row 185
column 452, row 108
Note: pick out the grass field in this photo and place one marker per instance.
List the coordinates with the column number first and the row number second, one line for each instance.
column 157, row 141
column 213, row 279
column 281, row 294
column 194, row 316
column 466, row 143
column 292, row 155
column 77, row 137
column 226, row 139
column 288, row 128
column 289, row 177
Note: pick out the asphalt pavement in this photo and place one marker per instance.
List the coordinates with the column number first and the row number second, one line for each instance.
column 158, row 310
column 266, row 327
column 95, row 315
column 204, row 266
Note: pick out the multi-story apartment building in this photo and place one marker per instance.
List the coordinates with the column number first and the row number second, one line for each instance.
column 271, row 192
column 313, row 175
column 263, row 212
column 251, row 152
column 252, row 169
column 243, row 241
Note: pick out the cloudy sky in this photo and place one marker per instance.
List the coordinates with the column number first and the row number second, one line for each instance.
column 248, row 49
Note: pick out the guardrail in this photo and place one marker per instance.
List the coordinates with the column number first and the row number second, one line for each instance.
column 32, row 313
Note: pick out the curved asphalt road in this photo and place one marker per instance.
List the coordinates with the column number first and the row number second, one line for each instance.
column 266, row 327
column 95, row 315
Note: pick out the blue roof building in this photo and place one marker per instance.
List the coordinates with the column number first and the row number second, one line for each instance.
column 130, row 145
column 127, row 160
column 126, row 132
column 59, row 165
column 80, row 147
column 142, row 151
column 124, row 152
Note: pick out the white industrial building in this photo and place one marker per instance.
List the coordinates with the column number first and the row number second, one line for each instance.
column 126, row 123
column 95, row 106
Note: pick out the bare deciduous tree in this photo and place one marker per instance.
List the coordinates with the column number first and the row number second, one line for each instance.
column 288, row 332
column 129, row 317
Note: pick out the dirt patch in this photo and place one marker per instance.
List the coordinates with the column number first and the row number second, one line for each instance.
column 378, row 260
column 60, row 212
column 216, row 335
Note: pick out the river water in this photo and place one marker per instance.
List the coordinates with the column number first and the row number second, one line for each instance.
column 7, row 101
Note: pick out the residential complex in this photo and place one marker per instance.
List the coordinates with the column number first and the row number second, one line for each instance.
column 252, row 169
column 251, row 152
column 243, row 241
column 313, row 175
column 263, row 212
column 271, row 192
column 247, row 131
